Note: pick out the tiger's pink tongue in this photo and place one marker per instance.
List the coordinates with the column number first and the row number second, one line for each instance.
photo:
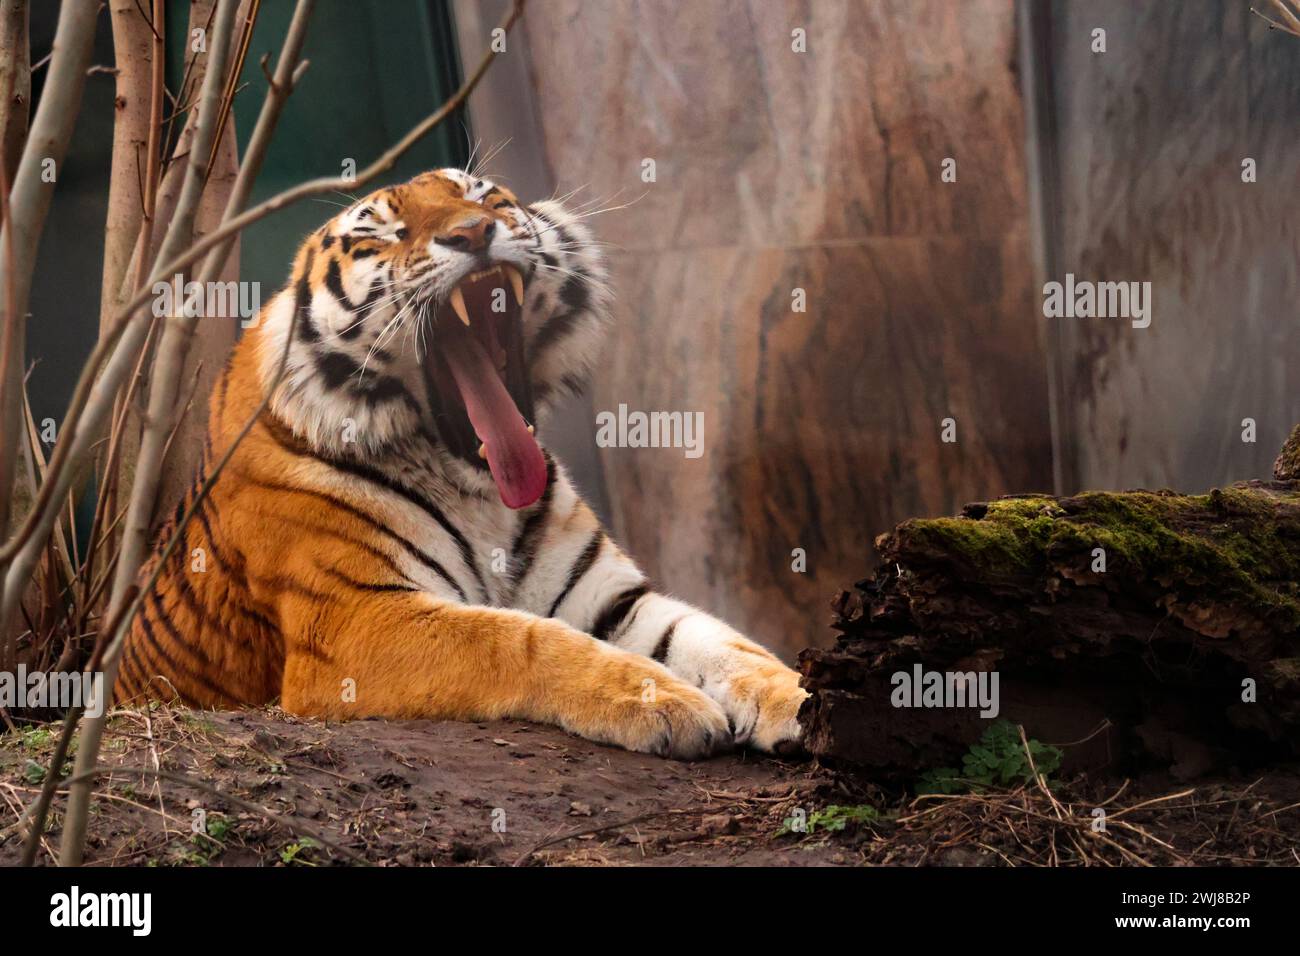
column 513, row 455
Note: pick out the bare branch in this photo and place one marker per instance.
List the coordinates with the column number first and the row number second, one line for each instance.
column 89, row 396
column 129, row 202
column 177, row 332
column 280, row 86
column 1288, row 10
column 29, row 203
column 183, row 337
column 232, row 81
column 179, row 233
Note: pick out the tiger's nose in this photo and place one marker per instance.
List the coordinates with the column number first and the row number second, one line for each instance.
column 469, row 236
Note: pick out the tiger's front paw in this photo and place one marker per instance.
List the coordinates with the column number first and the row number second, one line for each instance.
column 762, row 698
column 640, row 706
column 690, row 725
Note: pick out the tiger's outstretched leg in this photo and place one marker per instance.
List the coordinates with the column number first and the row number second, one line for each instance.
column 760, row 695
column 580, row 576
column 413, row 655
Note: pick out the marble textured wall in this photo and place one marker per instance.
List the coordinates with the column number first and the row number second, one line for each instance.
column 1151, row 136
column 779, row 170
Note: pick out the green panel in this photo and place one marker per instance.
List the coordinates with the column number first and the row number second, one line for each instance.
column 378, row 67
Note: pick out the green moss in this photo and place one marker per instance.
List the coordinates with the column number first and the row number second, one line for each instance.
column 1008, row 539
column 1026, row 506
column 1228, row 539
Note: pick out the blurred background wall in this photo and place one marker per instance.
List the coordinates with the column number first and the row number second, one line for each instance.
column 780, row 171
column 822, row 171
column 1142, row 150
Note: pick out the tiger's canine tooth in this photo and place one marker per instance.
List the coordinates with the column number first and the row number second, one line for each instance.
column 482, row 451
column 457, row 300
column 516, row 282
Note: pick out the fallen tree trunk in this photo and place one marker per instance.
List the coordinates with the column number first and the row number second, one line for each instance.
column 1170, row 621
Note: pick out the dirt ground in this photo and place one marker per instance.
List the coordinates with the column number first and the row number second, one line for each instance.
column 413, row 792
column 269, row 789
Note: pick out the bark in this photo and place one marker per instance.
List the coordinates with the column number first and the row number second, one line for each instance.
column 133, row 49
column 211, row 340
column 140, row 57
column 148, row 241
column 15, row 112
column 15, row 83
column 169, row 363
column 161, row 203
column 1197, row 595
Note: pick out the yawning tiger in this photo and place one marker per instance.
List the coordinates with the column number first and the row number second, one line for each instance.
column 390, row 539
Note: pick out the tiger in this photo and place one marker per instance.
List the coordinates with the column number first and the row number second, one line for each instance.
column 389, row 537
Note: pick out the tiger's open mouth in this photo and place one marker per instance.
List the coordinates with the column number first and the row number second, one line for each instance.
column 478, row 383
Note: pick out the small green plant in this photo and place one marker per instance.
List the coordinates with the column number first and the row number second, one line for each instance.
column 37, row 738
column 205, row 847
column 998, row 760
column 834, row 818
column 291, row 855
column 34, row 771
column 218, row 827
column 194, row 855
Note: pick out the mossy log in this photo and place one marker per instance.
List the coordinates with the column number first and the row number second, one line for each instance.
column 1170, row 621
